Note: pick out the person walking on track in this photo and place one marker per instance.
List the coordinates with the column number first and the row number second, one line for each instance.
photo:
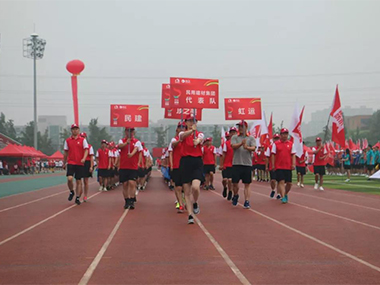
column 209, row 161
column 88, row 167
column 320, row 154
column 226, row 164
column 104, row 162
column 269, row 166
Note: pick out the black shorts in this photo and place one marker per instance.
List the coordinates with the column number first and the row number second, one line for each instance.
column 319, row 169
column 191, row 168
column 243, row 173
column 75, row 170
column 127, row 175
column 301, row 170
column 207, row 168
column 260, row 166
column 254, row 167
column 141, row 172
column 272, row 174
column 346, row 166
column 370, row 167
column 176, row 177
column 284, row 174
column 87, row 172
column 149, row 169
column 105, row 173
column 115, row 172
column 227, row 173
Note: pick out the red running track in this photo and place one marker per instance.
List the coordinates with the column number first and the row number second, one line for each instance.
column 308, row 241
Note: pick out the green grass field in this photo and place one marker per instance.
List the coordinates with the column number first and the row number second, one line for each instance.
column 357, row 183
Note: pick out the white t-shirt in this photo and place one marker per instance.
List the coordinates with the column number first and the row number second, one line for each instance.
column 1, row 164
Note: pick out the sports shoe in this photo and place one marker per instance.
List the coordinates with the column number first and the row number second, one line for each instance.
column 316, row 186
column 283, row 200
column 126, row 205
column 100, row 188
column 246, row 205
column 321, row 188
column 298, row 184
column 347, row 180
column 272, row 193
column 142, row 188
column 235, row 200
column 278, row 197
column 287, row 198
column 190, row 221
column 211, row 187
column 180, row 209
column 224, row 192
column 206, row 188
column 177, row 205
column 105, row 189
column 302, row 186
column 229, row 197
column 132, row 205
column 196, row 209
column 77, row 201
column 84, row 199
column 71, row 195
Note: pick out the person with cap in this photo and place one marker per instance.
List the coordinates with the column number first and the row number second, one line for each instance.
column 370, row 160
column 320, row 154
column 104, row 162
column 76, row 151
column 175, row 155
column 270, row 168
column 115, row 163
column 261, row 164
column 243, row 145
column 209, row 163
column 226, row 164
column 111, row 178
column 142, row 169
column 88, row 167
column 284, row 162
column 130, row 158
column 301, row 167
column 191, row 165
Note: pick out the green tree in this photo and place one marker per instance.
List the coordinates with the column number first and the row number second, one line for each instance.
column 27, row 135
column 161, row 136
column 7, row 127
column 44, row 143
column 216, row 136
column 374, row 130
column 96, row 134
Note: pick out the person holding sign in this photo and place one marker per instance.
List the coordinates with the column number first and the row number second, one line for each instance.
column 130, row 158
column 243, row 145
column 191, row 165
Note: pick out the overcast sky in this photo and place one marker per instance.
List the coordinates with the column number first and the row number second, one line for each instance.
column 281, row 51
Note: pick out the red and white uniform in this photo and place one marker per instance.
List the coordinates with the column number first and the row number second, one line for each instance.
column 188, row 148
column 90, row 152
column 283, row 151
column 261, row 158
column 75, row 148
column 229, row 154
column 318, row 161
column 268, row 154
column 304, row 157
column 103, row 156
column 176, row 152
column 130, row 162
column 209, row 153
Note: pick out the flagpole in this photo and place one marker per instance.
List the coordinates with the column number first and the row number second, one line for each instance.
column 327, row 127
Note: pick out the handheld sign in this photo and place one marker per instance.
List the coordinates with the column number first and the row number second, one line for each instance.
column 130, row 116
column 178, row 113
column 242, row 108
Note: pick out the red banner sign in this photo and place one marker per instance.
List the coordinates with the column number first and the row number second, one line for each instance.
column 175, row 113
column 165, row 96
column 194, row 93
column 130, row 116
column 242, row 108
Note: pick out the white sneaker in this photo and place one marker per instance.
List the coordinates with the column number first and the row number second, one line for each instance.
column 298, row 184
column 316, row 186
column 347, row 180
column 100, row 188
column 321, row 188
column 105, row 189
column 302, row 185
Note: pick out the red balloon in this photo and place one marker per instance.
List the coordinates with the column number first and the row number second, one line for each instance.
column 75, row 66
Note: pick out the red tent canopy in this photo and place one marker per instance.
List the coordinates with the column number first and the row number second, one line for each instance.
column 56, row 155
column 14, row 151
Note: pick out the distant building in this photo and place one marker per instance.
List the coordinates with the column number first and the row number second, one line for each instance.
column 54, row 126
column 354, row 122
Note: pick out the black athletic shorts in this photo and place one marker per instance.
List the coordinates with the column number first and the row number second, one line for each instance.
column 370, row 167
column 272, row 174
column 149, row 169
column 207, row 168
column 260, row 166
column 105, row 173
column 87, row 172
column 243, row 173
column 284, row 174
column 254, row 167
column 127, row 175
column 141, row 172
column 301, row 170
column 346, row 166
column 115, row 172
column 319, row 169
column 176, row 177
column 75, row 170
column 227, row 173
column 191, row 169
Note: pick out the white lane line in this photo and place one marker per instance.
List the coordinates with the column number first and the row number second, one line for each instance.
column 353, row 257
column 41, row 222
column 327, row 213
column 33, row 201
column 225, row 256
column 90, row 270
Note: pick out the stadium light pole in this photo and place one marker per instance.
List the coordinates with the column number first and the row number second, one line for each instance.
column 34, row 48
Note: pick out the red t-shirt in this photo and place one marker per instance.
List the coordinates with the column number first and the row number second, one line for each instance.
column 229, row 154
column 130, row 162
column 188, row 148
column 75, row 148
column 318, row 161
column 209, row 155
column 254, row 158
column 90, row 152
column 283, row 152
column 303, row 157
column 261, row 158
column 103, row 156
column 176, row 152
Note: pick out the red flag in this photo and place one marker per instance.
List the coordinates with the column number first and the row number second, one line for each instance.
column 338, row 122
column 351, row 145
column 330, row 154
column 270, row 127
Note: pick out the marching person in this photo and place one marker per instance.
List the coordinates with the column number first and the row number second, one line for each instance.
column 175, row 155
column 243, row 145
column 76, row 151
column 301, row 167
column 320, row 154
column 88, row 167
column 104, row 162
column 261, row 164
column 209, row 163
column 346, row 159
column 130, row 158
column 191, row 165
column 226, row 164
column 269, row 166
column 284, row 161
